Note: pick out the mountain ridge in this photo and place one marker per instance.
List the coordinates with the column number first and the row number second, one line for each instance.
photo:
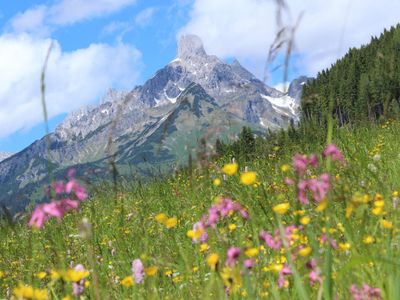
column 159, row 122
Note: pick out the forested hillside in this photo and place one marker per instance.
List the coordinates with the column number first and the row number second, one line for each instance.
column 364, row 85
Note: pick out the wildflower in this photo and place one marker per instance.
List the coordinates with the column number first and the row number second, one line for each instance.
column 212, row 260
column 217, row 182
column 2, row 275
column 204, row 247
column 151, row 271
column 248, row 178
column 305, row 251
column 366, row 292
column 282, row 282
column 232, row 279
column 301, row 162
column 79, row 283
column 368, row 239
column 249, row 263
column 127, row 281
column 171, row 222
column 28, row 292
column 315, row 274
column 305, row 220
column 138, row 270
column 251, row 252
column 344, row 246
column 285, row 168
column 322, row 205
column 281, row 208
column 231, row 227
column 198, row 233
column 386, row 224
column 233, row 254
column 332, row 151
column 161, row 218
column 76, row 274
column 230, row 169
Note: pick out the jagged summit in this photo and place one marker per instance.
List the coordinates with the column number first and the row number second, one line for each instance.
column 190, row 46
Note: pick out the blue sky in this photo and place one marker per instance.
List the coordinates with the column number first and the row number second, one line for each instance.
column 99, row 44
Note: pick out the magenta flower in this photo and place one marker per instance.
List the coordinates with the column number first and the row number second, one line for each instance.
column 249, row 263
column 270, row 241
column 282, row 273
column 301, row 162
column 138, row 270
column 233, row 254
column 315, row 274
column 365, row 293
column 332, row 151
column 58, row 208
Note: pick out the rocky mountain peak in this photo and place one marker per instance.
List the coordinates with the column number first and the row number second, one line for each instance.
column 4, row 155
column 190, row 46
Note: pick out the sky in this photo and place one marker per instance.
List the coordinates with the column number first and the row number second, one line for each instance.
column 102, row 44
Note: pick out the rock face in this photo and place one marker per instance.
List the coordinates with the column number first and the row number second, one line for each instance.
column 158, row 124
column 296, row 87
column 4, row 155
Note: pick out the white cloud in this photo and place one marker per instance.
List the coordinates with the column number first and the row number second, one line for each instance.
column 42, row 19
column 144, row 17
column 246, row 28
column 72, row 80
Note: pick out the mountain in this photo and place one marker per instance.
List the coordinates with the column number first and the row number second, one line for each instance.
column 157, row 126
column 4, row 155
column 364, row 84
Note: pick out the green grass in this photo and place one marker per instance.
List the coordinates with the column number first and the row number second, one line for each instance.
column 123, row 228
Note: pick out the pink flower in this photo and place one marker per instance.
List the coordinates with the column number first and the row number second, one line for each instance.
column 58, row 187
column 282, row 273
column 203, row 236
column 334, row 152
column 38, row 218
column 272, row 242
column 249, row 263
column 315, row 274
column 233, row 254
column 366, row 293
column 301, row 162
column 138, row 270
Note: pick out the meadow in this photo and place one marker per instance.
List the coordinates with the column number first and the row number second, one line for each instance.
column 302, row 219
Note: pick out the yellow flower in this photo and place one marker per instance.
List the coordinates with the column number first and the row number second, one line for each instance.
column 217, row 182
column 195, row 269
column 285, row 168
column 212, row 260
column 41, row 275
column 230, row 169
column 28, row 292
column 231, row 227
column 161, row 218
column 344, row 246
column 349, row 210
column 379, row 203
column 251, row 252
column 248, row 178
column 232, row 279
column 151, row 271
column 305, row 220
column 377, row 211
column 2, row 274
column 281, row 208
column 305, row 251
column 195, row 234
column 386, row 224
column 127, row 281
column 322, row 205
column 73, row 275
column 55, row 275
column 368, row 239
column 204, row 247
column 171, row 222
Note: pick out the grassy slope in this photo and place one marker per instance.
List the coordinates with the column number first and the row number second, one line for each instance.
column 125, row 223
